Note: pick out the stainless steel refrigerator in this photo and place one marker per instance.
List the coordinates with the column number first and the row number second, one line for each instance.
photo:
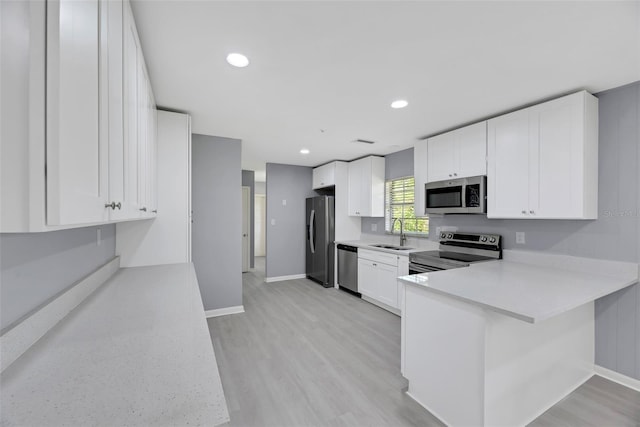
column 320, row 238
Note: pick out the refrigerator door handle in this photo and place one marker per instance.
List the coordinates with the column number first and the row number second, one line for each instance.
column 312, row 231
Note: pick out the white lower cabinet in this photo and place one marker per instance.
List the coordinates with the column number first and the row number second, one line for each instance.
column 377, row 277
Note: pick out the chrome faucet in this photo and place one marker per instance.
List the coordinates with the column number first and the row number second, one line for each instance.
column 403, row 238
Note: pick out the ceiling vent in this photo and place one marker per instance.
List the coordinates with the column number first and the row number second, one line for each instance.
column 364, row 141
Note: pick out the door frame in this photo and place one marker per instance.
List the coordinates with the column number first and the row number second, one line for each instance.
column 246, row 217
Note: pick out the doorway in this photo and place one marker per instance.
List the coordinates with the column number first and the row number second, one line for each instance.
column 246, row 227
column 260, row 225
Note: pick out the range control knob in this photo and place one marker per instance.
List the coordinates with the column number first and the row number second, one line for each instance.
column 492, row 240
column 483, row 239
column 450, row 236
column 443, row 235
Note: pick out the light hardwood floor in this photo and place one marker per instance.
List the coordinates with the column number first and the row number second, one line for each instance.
column 304, row 355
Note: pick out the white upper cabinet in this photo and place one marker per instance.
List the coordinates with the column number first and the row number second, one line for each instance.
column 460, row 153
column 112, row 104
column 324, row 176
column 543, row 161
column 420, row 164
column 77, row 159
column 366, row 187
column 83, row 124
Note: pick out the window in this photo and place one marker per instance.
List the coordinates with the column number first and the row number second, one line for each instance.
column 398, row 203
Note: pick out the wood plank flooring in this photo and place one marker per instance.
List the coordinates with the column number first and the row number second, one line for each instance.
column 303, row 355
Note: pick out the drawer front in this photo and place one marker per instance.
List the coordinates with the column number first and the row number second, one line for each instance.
column 381, row 257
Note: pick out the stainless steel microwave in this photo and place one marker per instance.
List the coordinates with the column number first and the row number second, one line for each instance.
column 457, row 196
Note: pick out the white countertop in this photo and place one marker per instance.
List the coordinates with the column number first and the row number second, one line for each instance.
column 136, row 352
column 528, row 292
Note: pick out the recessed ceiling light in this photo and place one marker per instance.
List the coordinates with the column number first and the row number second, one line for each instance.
column 304, row 151
column 400, row 103
column 237, row 60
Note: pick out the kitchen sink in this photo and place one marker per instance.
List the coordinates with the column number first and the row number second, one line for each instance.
column 394, row 247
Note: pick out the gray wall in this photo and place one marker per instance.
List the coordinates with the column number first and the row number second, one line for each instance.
column 248, row 180
column 261, row 187
column 217, row 220
column 34, row 267
column 396, row 165
column 286, row 240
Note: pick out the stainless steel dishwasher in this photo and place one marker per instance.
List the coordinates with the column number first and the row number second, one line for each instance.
column 348, row 267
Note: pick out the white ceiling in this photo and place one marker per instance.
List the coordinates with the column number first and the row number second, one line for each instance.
column 336, row 66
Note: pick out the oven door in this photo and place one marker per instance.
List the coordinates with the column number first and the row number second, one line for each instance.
column 421, row 268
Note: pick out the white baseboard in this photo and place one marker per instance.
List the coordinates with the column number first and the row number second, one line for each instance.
column 224, row 311
column 17, row 340
column 281, row 278
column 617, row 377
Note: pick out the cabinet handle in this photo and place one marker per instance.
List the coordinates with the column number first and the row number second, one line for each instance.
column 119, row 205
column 455, row 174
column 450, row 175
column 532, row 212
column 375, row 265
column 143, row 209
column 155, row 211
column 524, row 212
column 113, row 205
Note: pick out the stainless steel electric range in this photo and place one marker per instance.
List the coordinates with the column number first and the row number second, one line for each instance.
column 457, row 250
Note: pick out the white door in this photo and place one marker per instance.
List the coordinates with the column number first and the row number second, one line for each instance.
column 131, row 120
column 471, row 150
column 440, row 157
column 387, row 284
column 508, row 166
column 77, row 154
column 246, row 226
column 556, row 169
column 260, row 216
column 367, row 278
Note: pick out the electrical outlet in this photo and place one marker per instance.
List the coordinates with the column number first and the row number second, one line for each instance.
column 520, row 237
column 273, row 221
column 99, row 237
column 374, row 227
column 284, row 202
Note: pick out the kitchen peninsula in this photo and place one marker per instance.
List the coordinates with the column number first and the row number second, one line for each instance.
column 498, row 343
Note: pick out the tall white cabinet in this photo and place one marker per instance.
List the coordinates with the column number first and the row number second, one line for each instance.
column 146, row 242
column 92, row 124
column 543, row 161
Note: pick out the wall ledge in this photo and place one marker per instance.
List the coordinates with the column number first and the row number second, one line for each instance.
column 15, row 341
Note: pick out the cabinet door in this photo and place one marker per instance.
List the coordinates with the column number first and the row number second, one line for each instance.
column 112, row 105
column 367, row 278
column 387, row 276
column 143, row 141
column 324, row 176
column 471, row 150
column 440, row 160
column 131, row 108
column 420, row 162
column 555, row 189
column 355, row 188
column 508, row 166
column 77, row 155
